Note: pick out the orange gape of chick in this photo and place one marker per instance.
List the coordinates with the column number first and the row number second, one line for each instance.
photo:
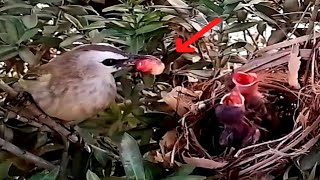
column 233, row 99
column 247, row 83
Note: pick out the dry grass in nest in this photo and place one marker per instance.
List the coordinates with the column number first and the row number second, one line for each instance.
column 295, row 110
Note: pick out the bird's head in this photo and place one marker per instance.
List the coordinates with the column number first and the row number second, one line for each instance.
column 234, row 98
column 244, row 79
column 115, row 59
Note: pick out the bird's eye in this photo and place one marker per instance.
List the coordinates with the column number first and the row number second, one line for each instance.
column 109, row 62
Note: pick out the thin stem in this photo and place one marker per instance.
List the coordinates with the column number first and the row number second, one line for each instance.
column 5, row 145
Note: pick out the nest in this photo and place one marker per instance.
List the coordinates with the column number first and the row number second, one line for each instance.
column 294, row 130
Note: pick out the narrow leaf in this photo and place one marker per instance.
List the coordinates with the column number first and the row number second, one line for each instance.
column 215, row 8
column 7, row 52
column 226, row 2
column 118, row 7
column 131, row 158
column 27, row 56
column 4, row 8
column 313, row 172
column 74, row 9
column 94, row 25
column 45, row 175
column 91, row 175
column 12, row 31
column 68, row 41
column 30, row 21
column 184, row 170
column 28, row 35
column 4, row 169
column 236, row 27
column 49, row 29
column 149, row 28
column 73, row 20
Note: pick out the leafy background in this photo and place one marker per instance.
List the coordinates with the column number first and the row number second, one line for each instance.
column 34, row 31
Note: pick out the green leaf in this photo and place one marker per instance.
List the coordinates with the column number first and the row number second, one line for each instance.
column 229, row 9
column 237, row 27
column 136, row 44
column 6, row 38
column 73, row 20
column 118, row 7
column 148, row 80
column 74, row 10
column 91, row 175
column 7, row 52
column 94, row 18
column 215, row 8
column 308, row 160
column 46, row 1
column 226, row 2
column 96, row 36
column 84, row 22
column 101, row 156
column 149, row 28
column 94, row 25
column 27, row 56
column 28, row 35
column 154, row 171
column 131, row 158
column 49, row 29
column 262, row 16
column 13, row 6
column 184, row 170
column 266, row 10
column 11, row 31
column 68, row 41
column 152, row 17
column 45, row 175
column 30, row 21
column 313, row 172
column 48, row 41
column 4, row 49
column 190, row 177
column 4, row 169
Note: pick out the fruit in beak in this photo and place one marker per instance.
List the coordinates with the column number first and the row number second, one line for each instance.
column 150, row 65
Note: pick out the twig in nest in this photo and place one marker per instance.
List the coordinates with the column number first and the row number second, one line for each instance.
column 25, row 155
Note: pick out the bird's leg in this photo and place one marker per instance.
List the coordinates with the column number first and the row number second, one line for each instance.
column 23, row 97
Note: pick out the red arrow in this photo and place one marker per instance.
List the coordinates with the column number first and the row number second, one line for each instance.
column 184, row 47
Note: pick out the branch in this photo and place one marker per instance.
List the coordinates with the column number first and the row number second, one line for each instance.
column 5, row 145
column 11, row 92
column 32, row 112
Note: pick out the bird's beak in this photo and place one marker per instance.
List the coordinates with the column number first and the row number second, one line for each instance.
column 148, row 64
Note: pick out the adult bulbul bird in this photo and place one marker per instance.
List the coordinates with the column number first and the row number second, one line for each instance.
column 79, row 83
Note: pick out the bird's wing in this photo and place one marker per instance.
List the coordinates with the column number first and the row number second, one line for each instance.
column 35, row 78
column 56, row 72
